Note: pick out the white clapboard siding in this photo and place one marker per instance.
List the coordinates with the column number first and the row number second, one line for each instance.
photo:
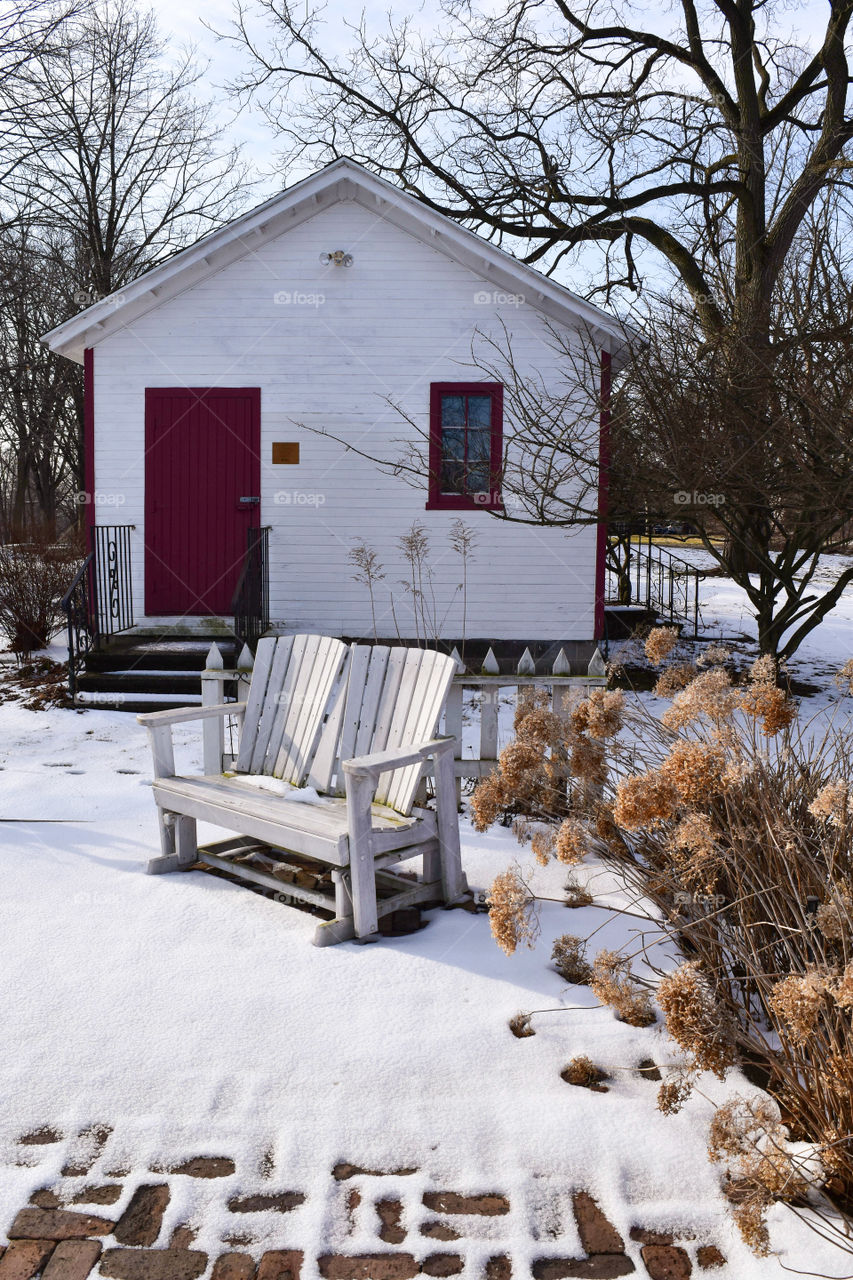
column 402, row 316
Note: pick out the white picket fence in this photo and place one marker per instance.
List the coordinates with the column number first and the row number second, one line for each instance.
column 473, row 720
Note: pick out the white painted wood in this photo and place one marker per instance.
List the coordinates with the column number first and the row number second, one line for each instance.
column 389, row 702
column 489, row 707
column 597, row 665
column 326, row 756
column 362, row 872
column 255, row 702
column 490, row 663
column 286, row 658
column 359, row 664
column 213, row 727
column 450, row 856
column 562, row 666
column 162, row 751
column 526, row 665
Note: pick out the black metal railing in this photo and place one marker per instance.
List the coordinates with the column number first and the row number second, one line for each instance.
column 77, row 607
column 251, row 601
column 99, row 602
column 641, row 573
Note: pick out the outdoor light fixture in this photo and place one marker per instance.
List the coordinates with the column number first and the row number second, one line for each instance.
column 337, row 259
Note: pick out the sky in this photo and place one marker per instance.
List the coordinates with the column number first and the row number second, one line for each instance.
column 188, row 21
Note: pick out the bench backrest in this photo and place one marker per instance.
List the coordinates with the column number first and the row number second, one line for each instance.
column 292, row 681
column 393, row 697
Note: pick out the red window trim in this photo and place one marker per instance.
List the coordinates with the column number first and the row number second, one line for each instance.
column 438, row 501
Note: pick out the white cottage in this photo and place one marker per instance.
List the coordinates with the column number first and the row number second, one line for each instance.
column 220, row 385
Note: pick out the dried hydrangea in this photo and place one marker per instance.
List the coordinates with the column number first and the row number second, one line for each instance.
column 587, row 762
column 835, row 918
column 695, row 1020
column 695, row 851
column 713, row 656
column 831, row 802
column 644, row 800
column 797, row 1001
column 512, row 914
column 542, row 845
column 764, row 669
column 569, row 957
column 601, row 714
column 844, row 677
column 571, row 843
column 674, row 679
column 696, row 771
column 709, row 696
column 769, row 704
column 660, row 644
column 673, row 1094
column 613, row 984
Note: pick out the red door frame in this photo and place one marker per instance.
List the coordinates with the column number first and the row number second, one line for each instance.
column 203, row 395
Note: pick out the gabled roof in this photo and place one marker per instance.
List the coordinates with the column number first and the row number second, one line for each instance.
column 340, row 180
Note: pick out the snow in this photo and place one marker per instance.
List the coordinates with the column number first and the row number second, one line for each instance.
column 196, row 1018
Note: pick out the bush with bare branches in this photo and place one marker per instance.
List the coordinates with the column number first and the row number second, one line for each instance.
column 736, row 829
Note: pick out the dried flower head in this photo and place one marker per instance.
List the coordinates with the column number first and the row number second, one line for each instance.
column 674, row 679
column 835, row 918
column 695, row 851
column 569, row 956
column 571, row 843
column 695, row 770
column 600, row 715
column 749, row 1219
column 577, row 895
column 709, row 696
column 844, row 677
column 488, row 801
column 770, row 704
column 842, row 989
column 521, row 1026
column 542, row 845
column 713, row 656
column 764, row 669
column 512, row 913
column 587, row 761
column 613, row 984
column 831, row 803
column 535, row 723
column 583, row 1072
column 797, row 1001
column 695, row 1020
column 645, row 800
column 522, row 829
column 673, row 1094
column 748, row 1135
column 660, row 644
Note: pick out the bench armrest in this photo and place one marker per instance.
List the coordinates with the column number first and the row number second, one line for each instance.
column 396, row 758
column 182, row 715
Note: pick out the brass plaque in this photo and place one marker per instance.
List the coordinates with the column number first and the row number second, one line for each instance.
column 285, row 451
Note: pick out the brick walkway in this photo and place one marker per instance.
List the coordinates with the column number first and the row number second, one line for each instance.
column 66, row 1232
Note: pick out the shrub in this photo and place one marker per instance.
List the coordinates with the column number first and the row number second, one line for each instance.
column 34, row 576
column 737, row 830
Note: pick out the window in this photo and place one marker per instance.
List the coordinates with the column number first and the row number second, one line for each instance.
column 465, row 445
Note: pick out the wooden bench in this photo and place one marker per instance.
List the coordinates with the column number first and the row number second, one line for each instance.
column 351, row 728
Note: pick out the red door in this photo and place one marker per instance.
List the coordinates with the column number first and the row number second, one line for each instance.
column 202, row 494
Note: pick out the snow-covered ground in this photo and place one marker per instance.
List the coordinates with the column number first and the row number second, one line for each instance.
column 195, row 1017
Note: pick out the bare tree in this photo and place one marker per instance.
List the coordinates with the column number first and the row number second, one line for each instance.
column 117, row 163
column 701, row 159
